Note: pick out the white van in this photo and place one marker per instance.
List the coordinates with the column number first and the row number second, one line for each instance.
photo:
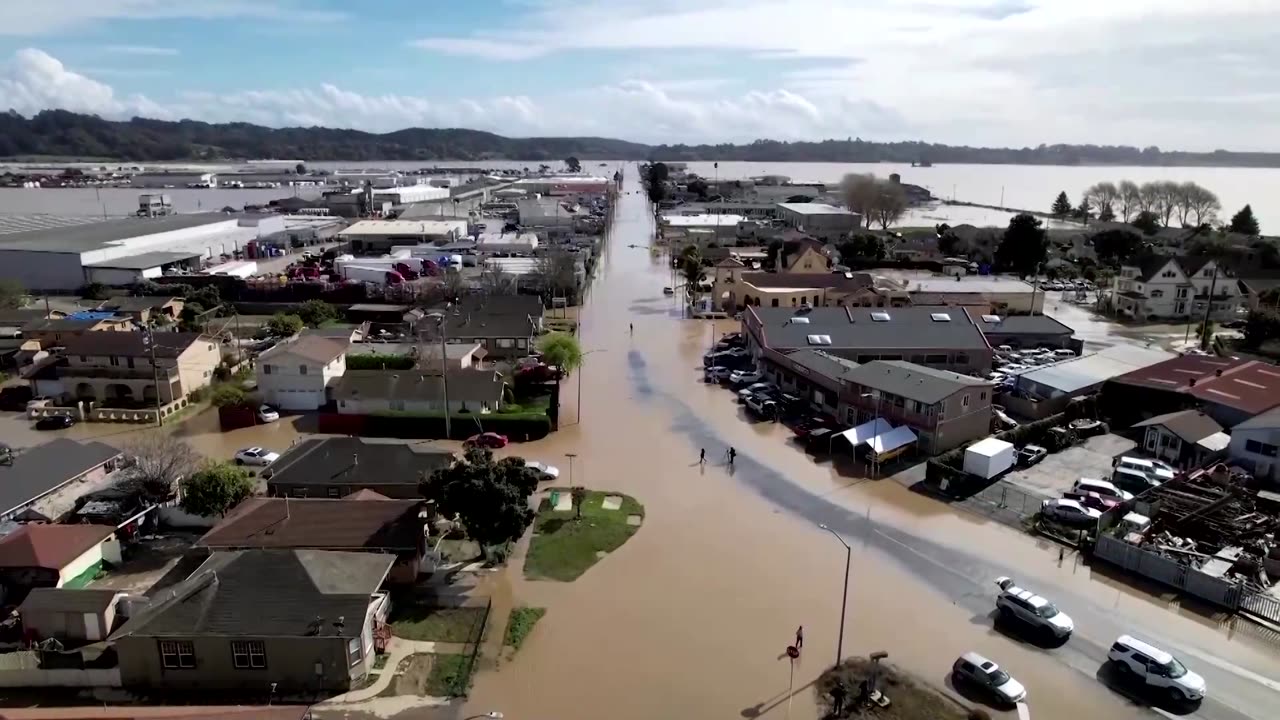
column 1102, row 487
column 1158, row 471
column 1134, row 481
column 1156, row 668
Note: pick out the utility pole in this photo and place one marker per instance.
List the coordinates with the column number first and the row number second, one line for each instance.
column 444, row 378
column 1208, row 307
column 148, row 337
column 844, row 599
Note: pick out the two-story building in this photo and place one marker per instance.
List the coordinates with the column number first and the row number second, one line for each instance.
column 115, row 369
column 944, row 409
column 823, row 221
column 1163, row 287
column 506, row 326
column 292, row 621
column 300, row 374
column 942, row 338
column 1255, row 446
column 54, row 332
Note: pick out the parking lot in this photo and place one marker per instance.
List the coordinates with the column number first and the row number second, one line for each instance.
column 1055, row 475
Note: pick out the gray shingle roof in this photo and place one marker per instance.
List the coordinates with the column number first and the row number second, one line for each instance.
column 914, row 382
column 40, row 470
column 1263, row 421
column 131, row 344
column 347, row 524
column 822, row 363
column 267, row 593
column 357, row 461
column 853, row 328
column 501, row 316
column 1189, row 425
column 68, row 600
column 1021, row 325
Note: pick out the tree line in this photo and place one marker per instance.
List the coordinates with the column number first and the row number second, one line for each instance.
column 59, row 133
column 1152, row 205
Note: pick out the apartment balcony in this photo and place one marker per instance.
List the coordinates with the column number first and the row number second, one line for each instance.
column 117, row 372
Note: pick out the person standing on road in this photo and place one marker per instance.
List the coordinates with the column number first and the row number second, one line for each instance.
column 800, row 636
column 702, row 457
column 632, row 326
column 732, row 454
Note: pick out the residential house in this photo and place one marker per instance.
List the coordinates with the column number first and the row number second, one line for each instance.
column 506, row 326
column 1255, row 446
column 72, row 616
column 1186, row 438
column 395, row 527
column 944, row 409
column 1025, row 331
column 1160, row 287
column 292, row 621
column 300, row 374
column 30, row 477
column 37, row 555
column 115, row 369
column 1258, row 287
column 145, row 309
column 335, row 467
column 58, row 331
column 937, row 337
column 1229, row 391
column 372, row 392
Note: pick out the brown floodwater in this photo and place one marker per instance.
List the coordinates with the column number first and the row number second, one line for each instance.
column 692, row 615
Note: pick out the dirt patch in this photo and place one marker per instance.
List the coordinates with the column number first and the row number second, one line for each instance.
column 910, row 698
column 412, row 676
column 153, row 565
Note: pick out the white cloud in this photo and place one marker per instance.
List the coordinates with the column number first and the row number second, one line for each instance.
column 141, row 50
column 35, row 81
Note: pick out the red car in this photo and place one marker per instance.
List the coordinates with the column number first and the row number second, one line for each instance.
column 1092, row 500
column 489, row 440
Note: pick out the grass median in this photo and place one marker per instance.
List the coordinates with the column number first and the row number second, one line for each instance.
column 565, row 546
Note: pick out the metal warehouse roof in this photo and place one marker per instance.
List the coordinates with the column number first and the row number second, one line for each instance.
column 858, row 328
column 144, row 261
column 25, row 223
column 814, row 209
column 406, row 227
column 1072, row 375
column 87, row 237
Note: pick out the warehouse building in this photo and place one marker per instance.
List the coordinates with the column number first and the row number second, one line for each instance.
column 120, row 252
column 823, row 221
column 379, row 236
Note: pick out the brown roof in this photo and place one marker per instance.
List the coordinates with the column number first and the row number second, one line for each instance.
column 312, row 347
column 345, row 524
column 1189, row 425
column 1252, row 388
column 1177, row 374
column 50, row 546
column 131, row 344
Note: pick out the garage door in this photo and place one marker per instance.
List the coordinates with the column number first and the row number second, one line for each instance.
column 298, row 399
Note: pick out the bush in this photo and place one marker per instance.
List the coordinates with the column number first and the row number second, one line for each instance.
column 229, row 396
column 285, row 325
column 379, row 362
column 94, row 291
column 198, row 395
column 317, row 312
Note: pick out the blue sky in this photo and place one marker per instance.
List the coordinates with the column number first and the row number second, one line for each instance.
column 1195, row 74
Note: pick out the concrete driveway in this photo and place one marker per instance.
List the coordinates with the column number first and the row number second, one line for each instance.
column 1058, row 472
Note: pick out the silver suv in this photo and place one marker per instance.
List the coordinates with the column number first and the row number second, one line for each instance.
column 1016, row 603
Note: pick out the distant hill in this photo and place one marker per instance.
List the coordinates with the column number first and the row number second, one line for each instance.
column 66, row 134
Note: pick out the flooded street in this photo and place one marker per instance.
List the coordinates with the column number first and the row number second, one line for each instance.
column 691, row 616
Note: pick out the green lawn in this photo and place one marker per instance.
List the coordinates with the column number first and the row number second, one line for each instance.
column 564, row 547
column 453, row 625
column 450, row 676
column 521, row 624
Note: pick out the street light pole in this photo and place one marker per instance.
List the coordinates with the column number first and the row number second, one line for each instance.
column 844, row 599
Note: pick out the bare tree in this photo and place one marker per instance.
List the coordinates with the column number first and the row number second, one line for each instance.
column 159, row 461
column 860, row 194
column 890, row 203
column 557, row 272
column 1101, row 195
column 1148, row 197
column 1199, row 204
column 495, row 281
column 454, row 285
column 1129, row 200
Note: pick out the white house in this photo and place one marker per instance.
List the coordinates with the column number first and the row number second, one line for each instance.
column 298, row 374
column 1255, row 445
column 1162, row 287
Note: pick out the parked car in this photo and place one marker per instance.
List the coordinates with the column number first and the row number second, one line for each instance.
column 490, row 440
column 745, row 377
column 1156, row 668
column 55, row 422
column 1160, row 472
column 1236, row 324
column 1069, row 512
column 809, row 425
column 753, row 388
column 819, row 439
column 1093, row 500
column 545, row 471
column 1102, row 487
column 1017, row 603
column 716, row 373
column 267, row 414
column 256, row 456
column 537, row 373
column 762, row 407
column 978, row 671
column 1031, row 454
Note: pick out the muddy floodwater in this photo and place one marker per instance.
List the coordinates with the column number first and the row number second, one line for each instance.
column 691, row 617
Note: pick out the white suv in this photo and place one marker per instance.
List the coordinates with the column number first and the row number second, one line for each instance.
column 1018, row 603
column 1155, row 667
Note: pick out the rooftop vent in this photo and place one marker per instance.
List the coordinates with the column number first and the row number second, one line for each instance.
column 880, row 316
column 819, row 339
column 990, row 318
column 940, row 317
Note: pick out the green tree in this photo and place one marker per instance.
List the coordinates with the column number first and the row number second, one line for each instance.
column 490, row 498
column 229, row 396
column 1061, row 206
column 94, row 291
column 1260, row 326
column 561, row 350
column 1084, row 212
column 1115, row 247
column 691, row 270
column 12, row 295
column 862, row 247
column 579, row 497
column 698, row 187
column 300, row 168
column 317, row 312
column 215, row 489
column 1146, row 221
column 655, row 178
column 573, row 164
column 285, row 325
column 1024, row 246
column 1244, row 222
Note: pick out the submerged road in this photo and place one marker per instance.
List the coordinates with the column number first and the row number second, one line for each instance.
column 689, row 618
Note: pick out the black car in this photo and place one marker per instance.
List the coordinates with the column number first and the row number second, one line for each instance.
column 55, row 422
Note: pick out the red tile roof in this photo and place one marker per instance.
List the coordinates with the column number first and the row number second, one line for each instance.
column 50, row 546
column 1250, row 386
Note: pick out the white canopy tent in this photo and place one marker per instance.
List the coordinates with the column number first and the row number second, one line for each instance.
column 866, row 431
column 892, row 440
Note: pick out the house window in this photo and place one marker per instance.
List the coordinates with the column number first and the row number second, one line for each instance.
column 335, row 492
column 775, row 302
column 298, row 492
column 266, row 369
column 249, row 654
column 964, row 401
column 506, row 343
column 1261, row 448
column 353, row 651
column 1157, row 293
column 962, row 359
column 177, row 654
column 522, row 343
column 302, row 369
column 129, row 362
column 114, row 360
column 84, row 359
column 982, row 395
